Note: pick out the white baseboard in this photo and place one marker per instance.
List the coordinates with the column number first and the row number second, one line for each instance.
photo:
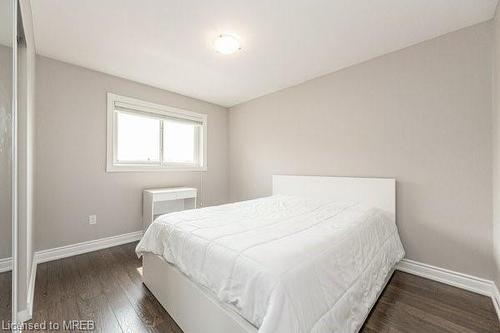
column 27, row 314
column 456, row 279
column 84, row 247
column 68, row 251
column 496, row 301
column 5, row 265
column 452, row 278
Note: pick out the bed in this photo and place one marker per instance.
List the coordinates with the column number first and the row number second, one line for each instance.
column 313, row 257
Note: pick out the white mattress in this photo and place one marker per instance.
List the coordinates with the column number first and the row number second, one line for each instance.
column 286, row 264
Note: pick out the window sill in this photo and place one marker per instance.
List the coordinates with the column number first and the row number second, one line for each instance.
column 132, row 168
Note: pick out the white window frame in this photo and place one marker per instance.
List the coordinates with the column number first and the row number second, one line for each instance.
column 138, row 106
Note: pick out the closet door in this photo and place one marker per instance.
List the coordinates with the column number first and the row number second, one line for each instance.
column 8, row 45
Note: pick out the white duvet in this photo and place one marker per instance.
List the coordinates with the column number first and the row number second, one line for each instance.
column 285, row 264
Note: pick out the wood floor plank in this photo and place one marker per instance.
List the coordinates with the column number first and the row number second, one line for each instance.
column 399, row 318
column 466, row 300
column 467, row 319
column 410, row 304
column 88, row 285
column 54, row 291
column 127, row 317
column 106, row 286
column 69, row 297
column 133, row 267
column 5, row 297
column 151, row 316
column 91, row 300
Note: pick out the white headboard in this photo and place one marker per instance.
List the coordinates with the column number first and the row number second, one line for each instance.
column 377, row 192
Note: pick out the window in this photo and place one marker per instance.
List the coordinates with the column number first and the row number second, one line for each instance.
column 144, row 136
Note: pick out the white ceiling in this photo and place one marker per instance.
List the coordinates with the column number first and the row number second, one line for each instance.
column 167, row 43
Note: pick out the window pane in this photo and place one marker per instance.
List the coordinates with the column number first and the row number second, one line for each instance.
column 138, row 138
column 180, row 143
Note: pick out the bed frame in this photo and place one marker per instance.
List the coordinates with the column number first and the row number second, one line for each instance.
column 196, row 311
column 376, row 192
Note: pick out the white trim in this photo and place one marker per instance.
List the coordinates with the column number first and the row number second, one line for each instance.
column 27, row 314
column 14, row 166
column 31, row 288
column 5, row 265
column 496, row 300
column 452, row 278
column 449, row 277
column 23, row 316
column 163, row 111
column 63, row 252
column 84, row 247
column 150, row 168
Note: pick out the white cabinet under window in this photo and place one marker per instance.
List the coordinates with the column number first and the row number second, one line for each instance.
column 144, row 136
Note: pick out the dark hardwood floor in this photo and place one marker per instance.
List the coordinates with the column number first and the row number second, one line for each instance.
column 106, row 286
column 413, row 304
column 5, row 298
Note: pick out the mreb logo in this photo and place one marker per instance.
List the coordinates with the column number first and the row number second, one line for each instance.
column 79, row 325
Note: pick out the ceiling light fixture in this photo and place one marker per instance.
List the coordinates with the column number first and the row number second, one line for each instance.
column 227, row 44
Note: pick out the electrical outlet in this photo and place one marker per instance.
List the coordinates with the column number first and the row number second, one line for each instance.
column 92, row 219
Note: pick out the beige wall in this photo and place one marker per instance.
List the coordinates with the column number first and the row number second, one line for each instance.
column 70, row 178
column 5, row 151
column 496, row 147
column 420, row 115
